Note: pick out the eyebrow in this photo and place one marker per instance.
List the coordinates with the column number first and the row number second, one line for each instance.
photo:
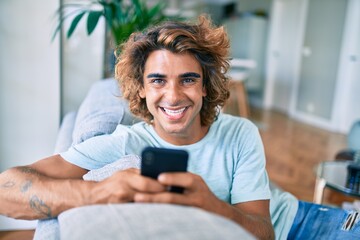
column 190, row 74
column 184, row 75
column 156, row 75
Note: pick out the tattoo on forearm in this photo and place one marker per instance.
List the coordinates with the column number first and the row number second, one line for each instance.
column 39, row 206
column 26, row 186
column 8, row 184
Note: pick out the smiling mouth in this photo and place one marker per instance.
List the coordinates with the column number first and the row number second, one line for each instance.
column 174, row 113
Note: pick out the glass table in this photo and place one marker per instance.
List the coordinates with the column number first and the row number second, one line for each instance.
column 332, row 175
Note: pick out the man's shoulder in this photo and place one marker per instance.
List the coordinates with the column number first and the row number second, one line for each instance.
column 126, row 131
column 140, row 127
column 130, row 128
column 233, row 121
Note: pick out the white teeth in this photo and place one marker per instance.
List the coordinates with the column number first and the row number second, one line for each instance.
column 174, row 112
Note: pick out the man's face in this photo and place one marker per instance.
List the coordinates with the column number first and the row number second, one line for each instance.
column 173, row 89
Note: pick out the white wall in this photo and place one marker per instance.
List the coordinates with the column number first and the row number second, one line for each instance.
column 29, row 73
column 29, row 85
column 347, row 97
column 83, row 58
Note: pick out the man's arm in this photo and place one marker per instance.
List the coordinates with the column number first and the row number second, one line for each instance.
column 42, row 189
column 52, row 185
column 253, row 215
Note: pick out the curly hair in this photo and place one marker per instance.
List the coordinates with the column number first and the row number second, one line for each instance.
column 207, row 43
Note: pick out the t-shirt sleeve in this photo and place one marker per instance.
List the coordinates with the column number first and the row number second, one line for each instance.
column 250, row 181
column 96, row 152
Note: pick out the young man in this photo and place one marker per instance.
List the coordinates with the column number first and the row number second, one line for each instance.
column 173, row 77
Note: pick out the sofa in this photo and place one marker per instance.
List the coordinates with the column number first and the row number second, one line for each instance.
column 99, row 113
column 352, row 152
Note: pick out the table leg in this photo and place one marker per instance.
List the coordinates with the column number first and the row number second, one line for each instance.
column 243, row 104
column 319, row 190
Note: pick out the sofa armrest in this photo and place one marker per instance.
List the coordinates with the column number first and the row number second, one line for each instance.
column 100, row 112
column 64, row 137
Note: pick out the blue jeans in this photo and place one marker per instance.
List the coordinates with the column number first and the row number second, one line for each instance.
column 313, row 221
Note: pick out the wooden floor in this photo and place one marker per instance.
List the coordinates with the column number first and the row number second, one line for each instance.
column 17, row 235
column 293, row 150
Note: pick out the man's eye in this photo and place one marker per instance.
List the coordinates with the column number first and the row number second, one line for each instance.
column 188, row 80
column 158, row 81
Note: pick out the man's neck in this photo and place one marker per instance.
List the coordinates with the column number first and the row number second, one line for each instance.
column 180, row 139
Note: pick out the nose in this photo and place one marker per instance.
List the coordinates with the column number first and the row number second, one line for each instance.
column 173, row 94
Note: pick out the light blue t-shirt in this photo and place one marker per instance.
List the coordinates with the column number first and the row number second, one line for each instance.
column 230, row 158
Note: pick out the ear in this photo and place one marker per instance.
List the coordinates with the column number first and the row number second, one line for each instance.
column 142, row 92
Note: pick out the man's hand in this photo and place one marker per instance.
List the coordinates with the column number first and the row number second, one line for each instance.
column 53, row 185
column 122, row 187
column 253, row 215
column 196, row 192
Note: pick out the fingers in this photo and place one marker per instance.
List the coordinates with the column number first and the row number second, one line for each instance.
column 186, row 180
column 134, row 170
column 135, row 181
column 164, row 197
column 123, row 185
column 195, row 194
column 145, row 184
column 135, row 187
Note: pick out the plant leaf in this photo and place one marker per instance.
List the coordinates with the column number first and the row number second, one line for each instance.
column 61, row 13
column 74, row 23
column 137, row 4
column 118, row 12
column 58, row 27
column 108, row 14
column 92, row 20
column 157, row 9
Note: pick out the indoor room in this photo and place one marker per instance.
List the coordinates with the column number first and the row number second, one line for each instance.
column 294, row 71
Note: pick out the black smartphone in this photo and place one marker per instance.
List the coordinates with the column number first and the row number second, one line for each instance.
column 158, row 160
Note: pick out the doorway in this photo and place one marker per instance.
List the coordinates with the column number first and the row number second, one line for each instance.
column 320, row 55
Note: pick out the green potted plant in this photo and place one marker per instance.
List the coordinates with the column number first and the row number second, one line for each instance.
column 122, row 18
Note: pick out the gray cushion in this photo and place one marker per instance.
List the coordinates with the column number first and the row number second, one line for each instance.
column 100, row 112
column 64, row 138
column 354, row 136
column 47, row 229
column 135, row 221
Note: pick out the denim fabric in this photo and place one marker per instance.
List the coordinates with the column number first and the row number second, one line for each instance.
column 315, row 221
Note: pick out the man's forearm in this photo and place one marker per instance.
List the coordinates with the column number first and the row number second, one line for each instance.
column 27, row 194
column 259, row 226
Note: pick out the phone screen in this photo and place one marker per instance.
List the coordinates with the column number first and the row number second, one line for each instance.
column 158, row 160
